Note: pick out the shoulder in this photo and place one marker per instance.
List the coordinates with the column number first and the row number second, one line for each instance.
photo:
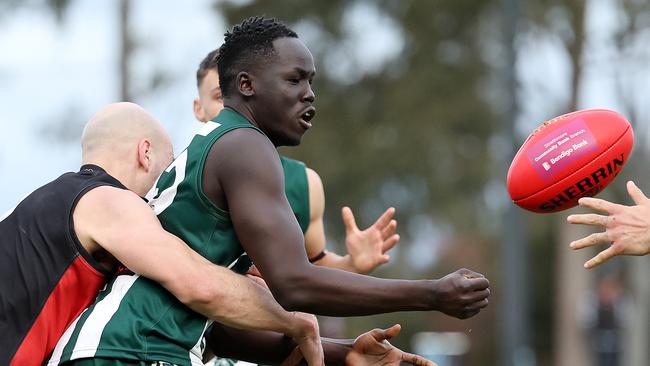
column 242, row 143
column 242, row 157
column 104, row 201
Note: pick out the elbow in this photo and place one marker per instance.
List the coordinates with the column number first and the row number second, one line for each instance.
column 196, row 293
column 293, row 292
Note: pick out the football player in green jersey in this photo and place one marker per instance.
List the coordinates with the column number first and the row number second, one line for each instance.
column 306, row 196
column 265, row 74
column 304, row 188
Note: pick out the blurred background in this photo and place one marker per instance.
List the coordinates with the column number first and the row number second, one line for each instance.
column 421, row 106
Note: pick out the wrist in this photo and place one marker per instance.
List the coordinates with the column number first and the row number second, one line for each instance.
column 336, row 350
column 348, row 263
column 434, row 295
column 301, row 325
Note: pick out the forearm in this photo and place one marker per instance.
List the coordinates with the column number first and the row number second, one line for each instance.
column 234, row 300
column 267, row 347
column 325, row 291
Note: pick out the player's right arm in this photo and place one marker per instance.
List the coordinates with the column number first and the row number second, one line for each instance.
column 251, row 180
column 123, row 224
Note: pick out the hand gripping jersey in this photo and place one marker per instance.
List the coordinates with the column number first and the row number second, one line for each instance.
column 137, row 319
column 46, row 276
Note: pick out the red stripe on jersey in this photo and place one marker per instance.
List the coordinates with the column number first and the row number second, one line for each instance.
column 76, row 290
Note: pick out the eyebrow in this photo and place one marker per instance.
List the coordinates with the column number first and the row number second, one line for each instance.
column 304, row 73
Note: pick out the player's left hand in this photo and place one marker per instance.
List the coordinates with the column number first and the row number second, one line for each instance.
column 367, row 248
column 627, row 228
column 372, row 348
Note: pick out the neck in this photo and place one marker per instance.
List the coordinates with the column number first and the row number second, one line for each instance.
column 121, row 172
column 242, row 108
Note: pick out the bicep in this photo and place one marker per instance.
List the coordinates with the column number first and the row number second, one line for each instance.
column 253, row 183
column 125, row 226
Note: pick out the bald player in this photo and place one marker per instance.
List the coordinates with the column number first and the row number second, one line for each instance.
column 65, row 240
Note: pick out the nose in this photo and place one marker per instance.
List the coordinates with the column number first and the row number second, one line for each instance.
column 309, row 96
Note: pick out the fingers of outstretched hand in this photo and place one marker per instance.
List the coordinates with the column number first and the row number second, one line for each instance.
column 391, row 332
column 389, row 243
column 416, row 360
column 601, row 257
column 589, row 219
column 599, row 205
column 591, row 240
column 385, row 219
column 387, row 230
column 348, row 220
column 635, row 192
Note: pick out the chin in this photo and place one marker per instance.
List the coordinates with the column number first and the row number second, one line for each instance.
column 285, row 140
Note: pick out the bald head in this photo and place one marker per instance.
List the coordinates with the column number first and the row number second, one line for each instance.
column 128, row 142
column 118, row 127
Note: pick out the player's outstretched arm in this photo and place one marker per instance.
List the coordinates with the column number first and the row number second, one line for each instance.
column 252, row 181
column 627, row 228
column 370, row 348
column 366, row 248
column 123, row 224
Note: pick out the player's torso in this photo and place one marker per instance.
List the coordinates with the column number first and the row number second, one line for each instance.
column 136, row 318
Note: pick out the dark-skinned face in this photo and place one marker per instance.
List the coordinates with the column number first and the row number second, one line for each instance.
column 283, row 98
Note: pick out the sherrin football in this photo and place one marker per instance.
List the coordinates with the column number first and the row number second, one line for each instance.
column 575, row 155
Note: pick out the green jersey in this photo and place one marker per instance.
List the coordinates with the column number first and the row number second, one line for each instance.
column 135, row 318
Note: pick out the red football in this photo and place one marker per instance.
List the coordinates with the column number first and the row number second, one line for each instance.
column 575, row 155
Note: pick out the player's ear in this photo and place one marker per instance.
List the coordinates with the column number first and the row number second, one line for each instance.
column 244, row 84
column 144, row 154
column 199, row 113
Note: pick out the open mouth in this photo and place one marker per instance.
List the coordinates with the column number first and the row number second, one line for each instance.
column 307, row 116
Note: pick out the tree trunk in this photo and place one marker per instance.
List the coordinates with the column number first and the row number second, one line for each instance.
column 126, row 47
